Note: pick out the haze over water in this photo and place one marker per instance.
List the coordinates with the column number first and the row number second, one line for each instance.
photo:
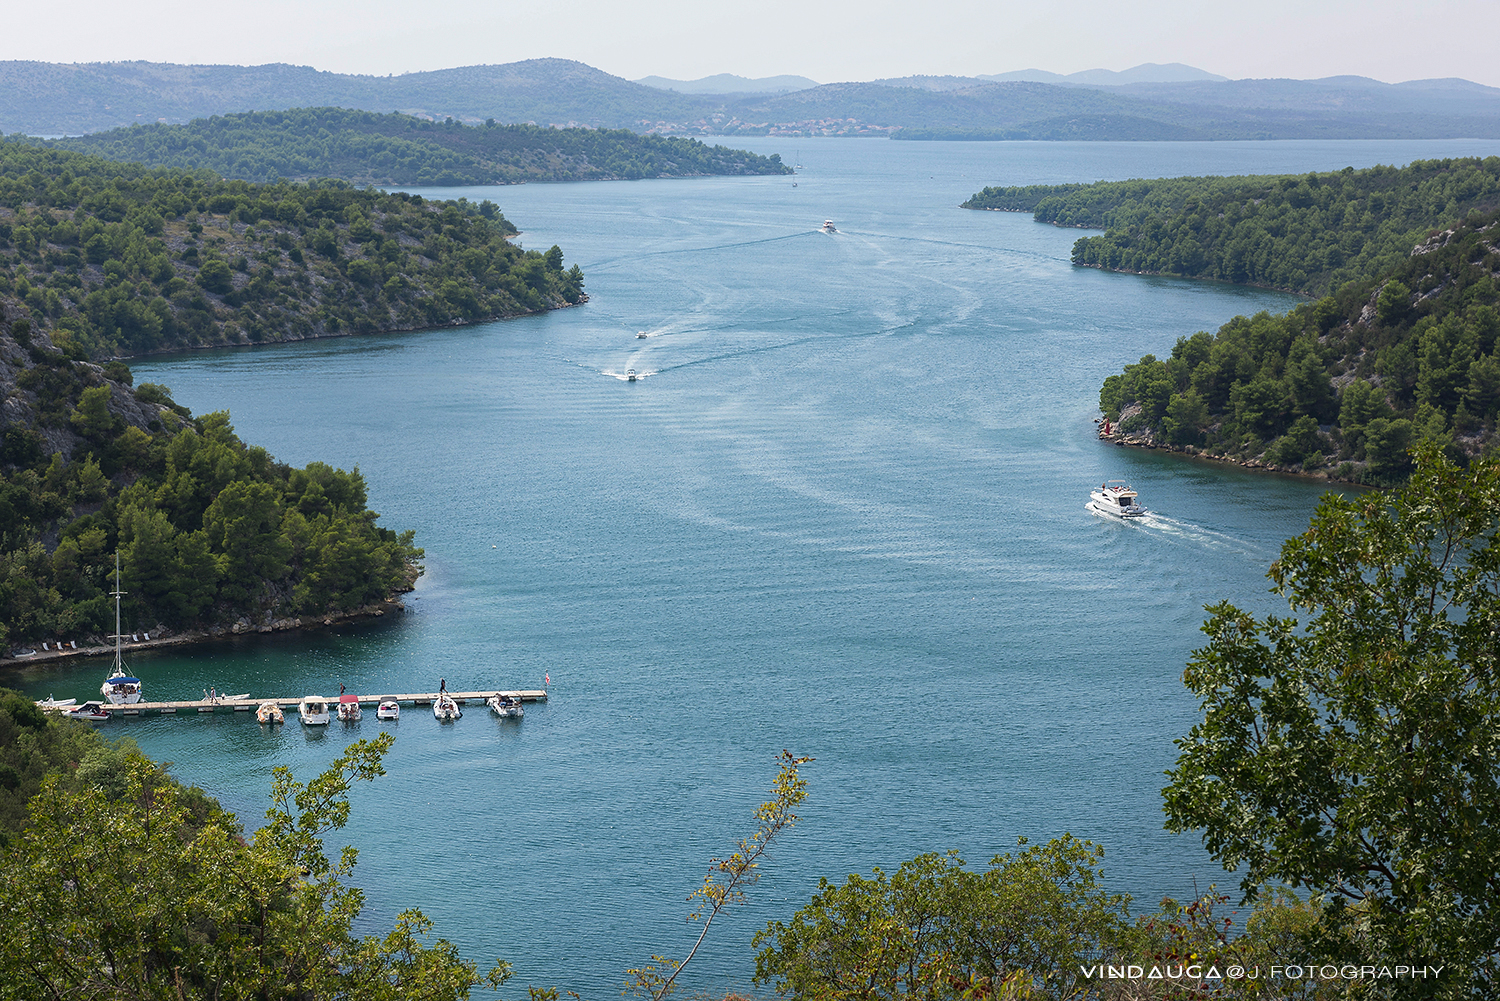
column 841, row 512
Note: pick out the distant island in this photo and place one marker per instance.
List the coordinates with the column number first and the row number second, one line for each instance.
column 368, row 148
column 114, row 260
column 1146, row 103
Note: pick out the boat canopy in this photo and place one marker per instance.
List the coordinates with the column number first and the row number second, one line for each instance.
column 121, row 680
column 348, row 698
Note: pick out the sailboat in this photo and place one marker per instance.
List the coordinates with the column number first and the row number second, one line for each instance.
column 120, row 688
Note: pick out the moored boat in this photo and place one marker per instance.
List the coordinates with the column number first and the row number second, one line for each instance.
column 119, row 687
column 94, row 712
column 443, row 706
column 349, row 710
column 503, row 705
column 270, row 713
column 388, row 709
column 314, row 710
column 1117, row 499
column 52, row 703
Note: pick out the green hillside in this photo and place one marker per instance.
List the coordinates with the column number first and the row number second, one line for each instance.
column 368, row 148
column 118, row 259
column 1306, row 234
column 1344, row 385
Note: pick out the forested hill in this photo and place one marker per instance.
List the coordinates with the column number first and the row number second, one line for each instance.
column 118, row 259
column 1346, row 384
column 210, row 531
column 369, row 148
column 1306, row 234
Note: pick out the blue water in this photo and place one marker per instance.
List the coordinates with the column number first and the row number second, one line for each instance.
column 842, row 512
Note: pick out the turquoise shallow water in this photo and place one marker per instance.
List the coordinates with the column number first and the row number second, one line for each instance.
column 841, row 513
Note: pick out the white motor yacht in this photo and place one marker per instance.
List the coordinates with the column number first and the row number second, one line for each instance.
column 388, row 709
column 1117, row 499
column 313, row 710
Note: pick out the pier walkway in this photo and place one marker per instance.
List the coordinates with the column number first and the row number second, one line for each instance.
column 250, row 705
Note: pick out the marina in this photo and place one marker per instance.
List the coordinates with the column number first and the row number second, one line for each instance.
column 245, row 705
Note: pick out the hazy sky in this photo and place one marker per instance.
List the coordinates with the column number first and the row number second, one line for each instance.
column 827, row 40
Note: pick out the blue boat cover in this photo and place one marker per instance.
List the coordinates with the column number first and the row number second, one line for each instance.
column 123, row 681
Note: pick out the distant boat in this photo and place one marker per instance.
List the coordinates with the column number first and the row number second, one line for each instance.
column 630, row 375
column 119, row 687
column 828, row 226
column 313, row 710
column 640, row 335
column 388, row 709
column 270, row 713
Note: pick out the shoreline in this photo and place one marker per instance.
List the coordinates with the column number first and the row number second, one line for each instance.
column 190, row 348
column 1193, row 452
column 191, row 637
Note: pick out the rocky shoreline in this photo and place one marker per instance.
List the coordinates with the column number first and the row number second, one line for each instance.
column 161, row 637
column 1111, row 433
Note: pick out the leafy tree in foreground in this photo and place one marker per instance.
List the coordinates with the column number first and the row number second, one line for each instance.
column 935, row 929
column 126, row 887
column 1355, row 754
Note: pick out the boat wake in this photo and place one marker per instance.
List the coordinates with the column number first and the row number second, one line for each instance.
column 1188, row 534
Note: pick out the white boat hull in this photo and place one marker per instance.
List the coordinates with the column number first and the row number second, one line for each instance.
column 1114, row 510
column 388, row 710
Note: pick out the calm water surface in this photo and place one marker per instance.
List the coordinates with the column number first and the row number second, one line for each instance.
column 842, row 512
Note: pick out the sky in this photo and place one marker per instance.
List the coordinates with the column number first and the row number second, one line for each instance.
column 826, row 40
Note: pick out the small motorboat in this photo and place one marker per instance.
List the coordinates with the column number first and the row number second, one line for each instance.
column 828, row 226
column 630, row 375
column 506, row 706
column 270, row 713
column 349, row 711
column 388, row 709
column 314, row 710
column 443, row 707
column 242, row 697
column 94, row 712
column 640, row 335
column 1116, row 499
column 51, row 703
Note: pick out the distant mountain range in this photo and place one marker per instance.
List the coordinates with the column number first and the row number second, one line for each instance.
column 1148, row 102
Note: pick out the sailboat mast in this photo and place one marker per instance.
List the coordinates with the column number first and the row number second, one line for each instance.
column 117, row 592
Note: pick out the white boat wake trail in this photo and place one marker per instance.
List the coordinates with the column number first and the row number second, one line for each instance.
column 1187, row 533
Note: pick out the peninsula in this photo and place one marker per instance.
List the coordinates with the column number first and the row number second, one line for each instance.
column 114, row 260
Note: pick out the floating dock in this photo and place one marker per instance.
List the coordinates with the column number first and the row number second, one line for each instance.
column 250, row 705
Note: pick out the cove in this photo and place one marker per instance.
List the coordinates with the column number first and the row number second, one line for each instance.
column 840, row 512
